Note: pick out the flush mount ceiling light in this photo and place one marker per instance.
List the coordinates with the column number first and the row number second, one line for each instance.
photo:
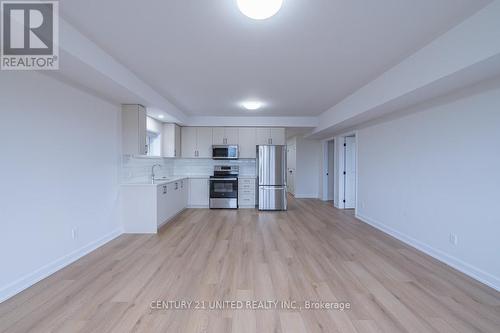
column 252, row 105
column 161, row 116
column 259, row 9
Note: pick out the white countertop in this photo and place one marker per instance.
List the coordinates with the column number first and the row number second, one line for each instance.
column 172, row 179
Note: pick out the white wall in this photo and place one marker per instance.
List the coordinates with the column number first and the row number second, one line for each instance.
column 437, row 172
column 58, row 171
column 309, row 164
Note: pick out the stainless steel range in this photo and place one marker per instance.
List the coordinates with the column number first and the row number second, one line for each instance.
column 224, row 187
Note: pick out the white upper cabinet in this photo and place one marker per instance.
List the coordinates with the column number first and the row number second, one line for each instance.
column 231, row 135
column 134, row 131
column 263, row 136
column 204, row 142
column 225, row 136
column 218, row 136
column 271, row 136
column 196, row 142
column 278, row 136
column 188, row 142
column 247, row 138
column 171, row 140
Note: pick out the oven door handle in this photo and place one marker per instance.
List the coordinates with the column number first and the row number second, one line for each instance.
column 216, row 179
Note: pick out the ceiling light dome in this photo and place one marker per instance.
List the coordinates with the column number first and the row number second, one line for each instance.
column 259, row 9
column 252, row 105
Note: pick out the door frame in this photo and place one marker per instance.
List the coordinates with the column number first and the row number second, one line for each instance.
column 342, row 176
column 325, row 176
column 338, row 160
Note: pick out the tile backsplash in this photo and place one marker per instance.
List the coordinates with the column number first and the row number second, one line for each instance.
column 202, row 167
column 139, row 168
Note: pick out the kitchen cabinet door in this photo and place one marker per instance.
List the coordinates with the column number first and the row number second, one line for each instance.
column 177, row 200
column 225, row 136
column 218, row 136
column 171, row 140
column 162, row 204
column 278, row 136
column 134, row 131
column 177, row 135
column 263, row 136
column 184, row 193
column 231, row 135
column 204, row 142
column 247, row 141
column 188, row 142
column 143, row 129
column 198, row 192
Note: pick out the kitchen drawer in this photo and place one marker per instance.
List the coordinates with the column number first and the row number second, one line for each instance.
column 246, row 201
column 246, row 192
column 250, row 181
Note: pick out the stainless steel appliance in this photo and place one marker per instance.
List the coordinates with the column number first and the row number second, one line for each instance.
column 271, row 173
column 225, row 152
column 224, row 187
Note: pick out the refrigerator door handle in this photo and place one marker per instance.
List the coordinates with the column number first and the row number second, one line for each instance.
column 277, row 188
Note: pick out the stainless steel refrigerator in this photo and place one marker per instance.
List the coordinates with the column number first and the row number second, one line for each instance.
column 271, row 177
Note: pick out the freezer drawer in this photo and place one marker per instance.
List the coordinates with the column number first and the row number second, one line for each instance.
column 272, row 198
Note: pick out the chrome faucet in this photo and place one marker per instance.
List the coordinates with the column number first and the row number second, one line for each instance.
column 153, row 172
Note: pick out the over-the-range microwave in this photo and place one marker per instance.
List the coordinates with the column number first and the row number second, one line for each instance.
column 225, row 152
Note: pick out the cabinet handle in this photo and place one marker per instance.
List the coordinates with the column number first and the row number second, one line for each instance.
column 164, row 189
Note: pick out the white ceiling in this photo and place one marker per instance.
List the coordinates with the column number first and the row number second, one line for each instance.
column 206, row 57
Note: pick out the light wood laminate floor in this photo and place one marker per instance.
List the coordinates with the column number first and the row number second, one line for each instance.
column 312, row 252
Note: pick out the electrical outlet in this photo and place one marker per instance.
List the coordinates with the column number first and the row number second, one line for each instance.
column 454, row 239
column 74, row 233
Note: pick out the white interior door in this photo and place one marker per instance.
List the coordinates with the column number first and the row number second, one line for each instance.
column 331, row 170
column 350, row 172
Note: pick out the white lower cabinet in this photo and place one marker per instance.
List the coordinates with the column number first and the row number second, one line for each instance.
column 246, row 192
column 199, row 192
column 148, row 207
column 172, row 199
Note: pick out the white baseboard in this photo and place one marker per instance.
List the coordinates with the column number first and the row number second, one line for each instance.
column 30, row 279
column 459, row 265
